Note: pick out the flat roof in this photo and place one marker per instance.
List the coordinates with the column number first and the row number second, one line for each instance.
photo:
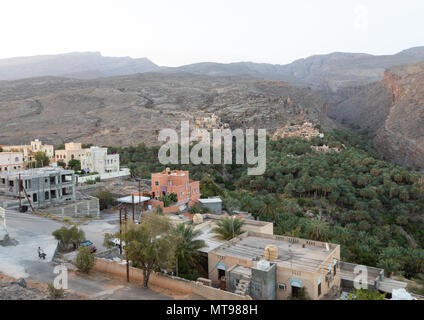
column 45, row 171
column 210, row 200
column 137, row 199
column 290, row 255
column 209, row 237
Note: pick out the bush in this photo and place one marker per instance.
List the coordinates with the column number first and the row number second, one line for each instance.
column 106, row 198
column 55, row 293
column 69, row 236
column 90, row 181
column 194, row 209
column 85, row 260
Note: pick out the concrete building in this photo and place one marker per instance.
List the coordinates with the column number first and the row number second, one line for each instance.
column 214, row 204
column 11, row 161
column 44, row 186
column 177, row 182
column 291, row 265
column 30, row 150
column 208, row 223
column 93, row 159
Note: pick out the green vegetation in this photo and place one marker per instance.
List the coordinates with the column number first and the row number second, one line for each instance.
column 228, row 228
column 186, row 253
column 84, row 260
column 372, row 208
column 61, row 164
column 150, row 245
column 66, row 237
column 366, row 295
column 55, row 293
column 106, row 198
column 169, row 199
column 74, row 164
column 41, row 159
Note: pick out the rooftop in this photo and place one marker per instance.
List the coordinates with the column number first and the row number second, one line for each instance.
column 210, row 200
column 291, row 253
column 45, row 171
column 129, row 199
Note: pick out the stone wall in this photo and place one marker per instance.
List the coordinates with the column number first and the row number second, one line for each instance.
column 81, row 208
column 166, row 281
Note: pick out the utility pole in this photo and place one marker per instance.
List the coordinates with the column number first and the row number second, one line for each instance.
column 133, row 208
column 126, row 253
column 139, row 203
column 20, row 187
column 120, row 231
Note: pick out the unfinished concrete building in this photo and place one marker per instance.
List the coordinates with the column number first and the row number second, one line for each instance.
column 42, row 187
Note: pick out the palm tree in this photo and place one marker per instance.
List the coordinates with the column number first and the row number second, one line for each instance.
column 318, row 231
column 268, row 210
column 228, row 228
column 187, row 250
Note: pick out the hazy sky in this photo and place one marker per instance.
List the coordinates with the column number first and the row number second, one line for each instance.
column 177, row 32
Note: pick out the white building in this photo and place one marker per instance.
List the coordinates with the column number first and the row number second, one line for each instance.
column 93, row 159
column 11, row 161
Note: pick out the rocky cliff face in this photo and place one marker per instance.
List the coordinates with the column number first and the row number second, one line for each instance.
column 391, row 111
column 401, row 138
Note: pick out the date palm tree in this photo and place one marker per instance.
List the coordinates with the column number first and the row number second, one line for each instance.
column 187, row 247
column 228, row 228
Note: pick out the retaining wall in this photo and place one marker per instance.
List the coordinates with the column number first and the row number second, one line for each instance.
column 166, row 281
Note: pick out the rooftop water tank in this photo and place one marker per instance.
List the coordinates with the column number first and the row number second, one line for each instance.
column 263, row 265
column 197, row 218
column 271, row 252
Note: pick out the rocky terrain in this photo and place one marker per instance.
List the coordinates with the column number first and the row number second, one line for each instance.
column 11, row 289
column 391, row 111
column 132, row 109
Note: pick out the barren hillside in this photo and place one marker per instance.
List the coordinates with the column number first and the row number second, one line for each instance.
column 128, row 110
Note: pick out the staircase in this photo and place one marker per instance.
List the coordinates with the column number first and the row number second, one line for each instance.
column 242, row 287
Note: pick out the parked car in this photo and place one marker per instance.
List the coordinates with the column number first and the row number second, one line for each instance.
column 90, row 245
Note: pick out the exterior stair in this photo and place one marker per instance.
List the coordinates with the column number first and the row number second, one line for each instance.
column 243, row 287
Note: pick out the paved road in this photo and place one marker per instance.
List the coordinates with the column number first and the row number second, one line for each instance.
column 94, row 286
column 32, row 231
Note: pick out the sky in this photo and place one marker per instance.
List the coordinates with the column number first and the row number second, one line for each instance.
column 178, row 32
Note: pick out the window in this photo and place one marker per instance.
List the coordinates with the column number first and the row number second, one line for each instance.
column 156, row 183
column 34, row 197
column 46, row 195
column 16, row 159
column 282, row 286
column 319, row 289
column 334, row 270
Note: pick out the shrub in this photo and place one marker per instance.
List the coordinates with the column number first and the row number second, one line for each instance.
column 55, row 293
column 90, row 181
column 106, row 198
column 85, row 260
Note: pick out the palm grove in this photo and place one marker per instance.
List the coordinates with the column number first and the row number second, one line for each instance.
column 373, row 208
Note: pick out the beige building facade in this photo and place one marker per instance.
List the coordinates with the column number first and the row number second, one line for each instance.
column 298, row 263
column 29, row 151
